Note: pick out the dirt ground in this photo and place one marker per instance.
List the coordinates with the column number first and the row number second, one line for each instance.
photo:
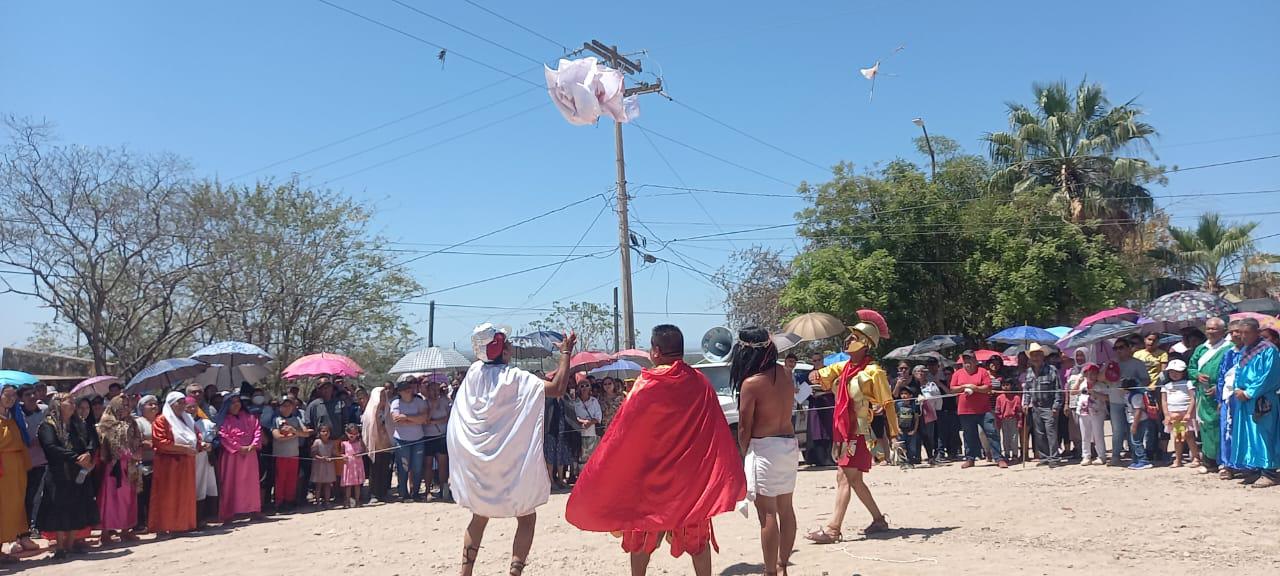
column 945, row 521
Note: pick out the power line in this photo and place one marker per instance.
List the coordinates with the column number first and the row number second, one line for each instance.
column 747, row 135
column 465, row 31
column 417, row 132
column 412, row 36
column 571, row 251
column 562, row 47
column 600, row 254
column 437, row 143
column 713, row 156
column 695, row 199
column 373, row 129
column 502, row 229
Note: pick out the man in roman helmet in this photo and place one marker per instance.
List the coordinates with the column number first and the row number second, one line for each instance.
column 862, row 392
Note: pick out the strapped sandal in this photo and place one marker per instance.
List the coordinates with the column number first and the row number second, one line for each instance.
column 825, row 535
column 469, row 554
column 517, row 568
column 877, row 526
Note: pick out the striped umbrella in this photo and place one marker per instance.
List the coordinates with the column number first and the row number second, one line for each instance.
column 431, row 359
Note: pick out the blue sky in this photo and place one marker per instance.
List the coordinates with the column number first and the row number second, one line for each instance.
column 238, row 85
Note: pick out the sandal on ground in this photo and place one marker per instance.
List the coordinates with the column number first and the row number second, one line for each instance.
column 517, row 568
column 28, row 545
column 879, row 525
column 1226, row 474
column 825, row 535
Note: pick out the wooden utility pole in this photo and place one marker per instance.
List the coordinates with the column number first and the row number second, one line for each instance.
column 615, row 60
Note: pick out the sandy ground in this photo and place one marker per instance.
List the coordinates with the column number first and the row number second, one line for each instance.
column 945, row 520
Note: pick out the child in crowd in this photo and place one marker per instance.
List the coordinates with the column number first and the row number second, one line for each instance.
column 1178, row 404
column 1091, row 412
column 909, row 418
column 1145, row 428
column 322, row 471
column 353, row 471
column 1009, row 419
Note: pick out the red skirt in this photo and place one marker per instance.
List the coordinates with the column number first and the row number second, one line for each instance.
column 861, row 458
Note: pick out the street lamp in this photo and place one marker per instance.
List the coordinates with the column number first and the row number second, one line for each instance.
column 933, row 163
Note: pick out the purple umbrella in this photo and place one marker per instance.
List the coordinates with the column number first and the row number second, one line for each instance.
column 98, row 385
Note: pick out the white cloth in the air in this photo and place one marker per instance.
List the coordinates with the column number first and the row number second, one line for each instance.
column 496, row 466
column 771, row 466
column 584, row 89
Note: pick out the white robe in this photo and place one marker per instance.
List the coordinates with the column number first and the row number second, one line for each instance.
column 496, row 466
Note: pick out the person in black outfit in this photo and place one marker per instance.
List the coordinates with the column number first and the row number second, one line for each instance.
column 66, row 503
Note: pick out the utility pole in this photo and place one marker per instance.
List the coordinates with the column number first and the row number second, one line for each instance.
column 615, row 60
column 431, row 325
column 616, row 349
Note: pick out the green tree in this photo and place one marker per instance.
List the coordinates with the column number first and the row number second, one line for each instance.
column 1087, row 151
column 948, row 255
column 753, row 279
column 100, row 232
column 1207, row 253
column 591, row 321
column 297, row 271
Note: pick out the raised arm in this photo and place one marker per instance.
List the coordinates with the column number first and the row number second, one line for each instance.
column 556, row 386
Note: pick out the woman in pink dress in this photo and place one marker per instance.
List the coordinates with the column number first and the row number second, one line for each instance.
column 353, row 468
column 241, row 437
column 118, row 495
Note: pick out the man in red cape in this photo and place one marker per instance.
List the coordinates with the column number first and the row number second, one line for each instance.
column 666, row 465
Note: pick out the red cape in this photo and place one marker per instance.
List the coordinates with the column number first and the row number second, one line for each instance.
column 667, row 460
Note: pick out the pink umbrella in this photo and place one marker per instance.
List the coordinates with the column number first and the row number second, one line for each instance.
column 1114, row 315
column 589, row 360
column 322, row 364
column 98, row 385
column 1264, row 321
column 635, row 355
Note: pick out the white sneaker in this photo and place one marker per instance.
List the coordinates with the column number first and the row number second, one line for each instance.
column 1086, row 462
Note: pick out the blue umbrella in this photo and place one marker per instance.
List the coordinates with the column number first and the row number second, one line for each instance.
column 618, row 366
column 232, row 354
column 1098, row 332
column 165, row 373
column 17, row 378
column 1023, row 335
column 837, row 357
column 1059, row 331
column 545, row 339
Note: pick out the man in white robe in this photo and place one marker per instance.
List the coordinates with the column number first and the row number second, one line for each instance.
column 496, row 465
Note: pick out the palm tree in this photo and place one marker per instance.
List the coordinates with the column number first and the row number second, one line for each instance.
column 1076, row 146
column 1207, row 253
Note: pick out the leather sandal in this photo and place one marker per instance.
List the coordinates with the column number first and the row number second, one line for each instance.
column 517, row 568
column 469, row 555
column 879, row 525
column 825, row 535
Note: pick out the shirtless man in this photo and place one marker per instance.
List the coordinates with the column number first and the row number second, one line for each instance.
column 767, row 441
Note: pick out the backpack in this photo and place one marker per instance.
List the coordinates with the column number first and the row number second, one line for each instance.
column 1152, row 410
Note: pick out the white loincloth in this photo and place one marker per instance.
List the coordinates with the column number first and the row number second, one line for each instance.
column 496, row 466
column 771, row 466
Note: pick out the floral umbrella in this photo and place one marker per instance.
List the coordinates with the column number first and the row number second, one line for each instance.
column 1187, row 308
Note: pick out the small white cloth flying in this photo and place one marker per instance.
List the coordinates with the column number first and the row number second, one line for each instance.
column 585, row 89
column 496, row 466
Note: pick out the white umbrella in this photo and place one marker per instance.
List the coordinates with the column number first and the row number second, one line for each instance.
column 430, row 360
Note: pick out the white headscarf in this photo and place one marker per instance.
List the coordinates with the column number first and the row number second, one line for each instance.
column 374, row 411
column 183, row 426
